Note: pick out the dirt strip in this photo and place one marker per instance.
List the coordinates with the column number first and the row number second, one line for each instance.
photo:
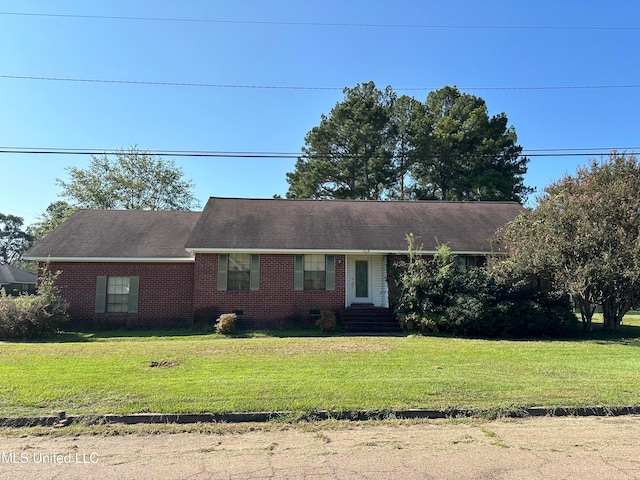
column 532, row 448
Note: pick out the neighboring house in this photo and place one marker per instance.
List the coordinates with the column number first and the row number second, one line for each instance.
column 272, row 261
column 15, row 281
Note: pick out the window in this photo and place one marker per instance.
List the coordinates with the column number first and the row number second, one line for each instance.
column 238, row 271
column 467, row 262
column 117, row 294
column 315, row 272
column 541, row 282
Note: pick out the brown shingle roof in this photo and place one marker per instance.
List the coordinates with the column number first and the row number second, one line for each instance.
column 275, row 225
column 348, row 226
column 126, row 234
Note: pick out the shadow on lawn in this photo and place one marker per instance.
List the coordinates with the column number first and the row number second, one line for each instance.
column 629, row 334
column 151, row 333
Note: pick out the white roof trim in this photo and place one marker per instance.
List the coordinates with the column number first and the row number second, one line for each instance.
column 111, row 259
column 332, row 252
column 254, row 250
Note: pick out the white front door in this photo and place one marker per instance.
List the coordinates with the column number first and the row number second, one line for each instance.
column 360, row 275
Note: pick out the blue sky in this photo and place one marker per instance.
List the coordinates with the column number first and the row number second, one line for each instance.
column 502, row 51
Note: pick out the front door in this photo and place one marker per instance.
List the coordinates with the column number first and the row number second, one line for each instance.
column 361, row 280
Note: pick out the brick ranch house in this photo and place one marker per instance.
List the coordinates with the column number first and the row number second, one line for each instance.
column 274, row 262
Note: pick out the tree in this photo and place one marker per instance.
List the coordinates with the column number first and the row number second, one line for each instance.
column 14, row 241
column 405, row 114
column 135, row 179
column 56, row 213
column 350, row 154
column 585, row 234
column 375, row 145
column 463, row 154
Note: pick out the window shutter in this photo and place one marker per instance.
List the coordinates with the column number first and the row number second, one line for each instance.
column 134, row 283
column 254, row 275
column 223, row 266
column 331, row 272
column 101, row 294
column 298, row 282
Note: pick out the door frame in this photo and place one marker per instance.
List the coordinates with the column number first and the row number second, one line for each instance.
column 351, row 281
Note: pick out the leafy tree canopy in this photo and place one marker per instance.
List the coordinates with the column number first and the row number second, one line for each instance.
column 56, row 213
column 464, row 154
column 349, row 155
column 14, row 240
column 134, row 179
column 585, row 233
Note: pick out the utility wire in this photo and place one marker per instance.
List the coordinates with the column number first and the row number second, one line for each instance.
column 300, row 87
column 559, row 152
column 173, row 84
column 324, row 24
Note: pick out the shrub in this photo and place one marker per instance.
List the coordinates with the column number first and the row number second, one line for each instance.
column 34, row 316
column 226, row 323
column 424, row 324
column 437, row 297
column 327, row 321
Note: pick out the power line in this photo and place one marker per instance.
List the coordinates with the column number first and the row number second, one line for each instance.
column 162, row 153
column 174, row 153
column 301, row 87
column 582, row 151
column 324, row 24
column 173, row 84
column 557, row 152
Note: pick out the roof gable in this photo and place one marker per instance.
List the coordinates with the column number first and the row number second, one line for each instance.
column 347, row 225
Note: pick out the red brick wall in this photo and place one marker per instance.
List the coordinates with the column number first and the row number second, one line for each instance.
column 276, row 303
column 165, row 294
column 171, row 293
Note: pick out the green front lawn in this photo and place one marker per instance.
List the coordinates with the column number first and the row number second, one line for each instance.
column 210, row 373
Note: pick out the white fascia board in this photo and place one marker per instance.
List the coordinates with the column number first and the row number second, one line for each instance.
column 284, row 251
column 111, row 259
column 329, row 251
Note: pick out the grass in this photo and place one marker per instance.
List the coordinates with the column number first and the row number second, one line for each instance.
column 112, row 372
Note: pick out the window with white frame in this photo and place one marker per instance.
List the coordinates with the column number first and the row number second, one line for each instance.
column 239, row 272
column 117, row 294
column 315, row 272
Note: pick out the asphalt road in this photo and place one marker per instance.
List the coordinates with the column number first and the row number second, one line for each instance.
column 534, row 448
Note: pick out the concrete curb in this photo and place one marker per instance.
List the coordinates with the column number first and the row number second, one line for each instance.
column 60, row 419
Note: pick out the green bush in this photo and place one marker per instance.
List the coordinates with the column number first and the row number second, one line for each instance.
column 34, row 316
column 327, row 321
column 226, row 323
column 422, row 323
column 438, row 297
